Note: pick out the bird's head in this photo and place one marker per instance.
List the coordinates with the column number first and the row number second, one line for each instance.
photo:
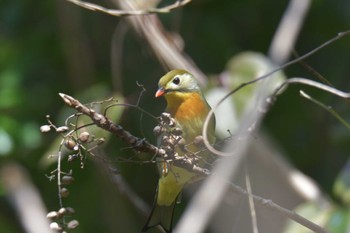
column 177, row 81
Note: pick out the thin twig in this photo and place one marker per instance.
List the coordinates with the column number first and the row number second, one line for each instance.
column 138, row 108
column 288, row 31
column 200, row 214
column 312, row 70
column 124, row 188
column 162, row 10
column 251, row 200
column 311, row 83
column 275, row 207
column 151, row 29
column 59, row 173
column 211, row 113
column 327, row 108
column 138, row 144
column 122, row 185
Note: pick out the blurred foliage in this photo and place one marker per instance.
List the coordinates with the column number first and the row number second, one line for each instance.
column 53, row 46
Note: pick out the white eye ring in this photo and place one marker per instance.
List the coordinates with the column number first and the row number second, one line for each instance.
column 176, row 80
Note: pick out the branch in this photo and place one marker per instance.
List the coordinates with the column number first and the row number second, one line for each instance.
column 273, row 206
column 162, row 10
column 251, row 201
column 123, row 186
column 288, row 30
column 265, row 76
column 327, row 108
column 24, row 197
column 168, row 53
column 227, row 168
column 311, row 83
column 138, row 144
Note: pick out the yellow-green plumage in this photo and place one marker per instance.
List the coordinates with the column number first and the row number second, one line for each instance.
column 187, row 105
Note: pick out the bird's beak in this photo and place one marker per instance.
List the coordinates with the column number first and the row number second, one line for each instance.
column 160, row 92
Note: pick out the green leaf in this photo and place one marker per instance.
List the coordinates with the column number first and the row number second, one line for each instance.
column 341, row 186
column 245, row 67
column 339, row 221
column 10, row 91
column 7, row 143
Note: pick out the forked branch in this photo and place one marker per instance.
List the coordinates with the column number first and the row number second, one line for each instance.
column 138, row 144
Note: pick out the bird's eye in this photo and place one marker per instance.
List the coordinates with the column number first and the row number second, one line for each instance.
column 176, row 80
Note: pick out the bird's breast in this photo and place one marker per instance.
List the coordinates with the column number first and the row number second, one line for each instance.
column 190, row 111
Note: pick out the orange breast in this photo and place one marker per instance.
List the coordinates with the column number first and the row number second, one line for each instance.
column 190, row 105
column 189, row 110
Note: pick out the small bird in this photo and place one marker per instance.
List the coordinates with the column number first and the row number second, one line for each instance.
column 187, row 105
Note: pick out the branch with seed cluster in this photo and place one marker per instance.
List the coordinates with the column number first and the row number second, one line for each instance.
column 138, row 144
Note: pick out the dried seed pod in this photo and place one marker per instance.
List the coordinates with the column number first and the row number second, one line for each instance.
column 177, row 131
column 172, row 123
column 165, row 117
column 165, row 139
column 157, row 130
column 67, row 179
column 62, row 129
column 64, row 192
column 55, row 226
column 70, row 144
column 70, row 210
column 62, row 211
column 84, row 136
column 169, row 150
column 199, row 141
column 45, row 128
column 170, row 142
column 161, row 152
column 100, row 141
column 73, row 224
column 52, row 215
column 181, row 142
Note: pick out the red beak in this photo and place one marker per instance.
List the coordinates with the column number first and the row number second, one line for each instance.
column 160, row 92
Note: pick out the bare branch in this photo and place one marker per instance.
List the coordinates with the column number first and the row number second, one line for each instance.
column 162, row 10
column 227, row 168
column 288, row 30
column 312, row 83
column 273, row 206
column 24, row 198
column 210, row 114
column 327, row 108
column 138, row 144
column 160, row 40
column 251, row 202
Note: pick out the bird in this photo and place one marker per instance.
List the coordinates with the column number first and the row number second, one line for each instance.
column 187, row 105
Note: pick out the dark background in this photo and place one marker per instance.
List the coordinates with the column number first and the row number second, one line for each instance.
column 49, row 47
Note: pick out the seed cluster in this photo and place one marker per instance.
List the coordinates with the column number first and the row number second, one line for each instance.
column 170, row 136
column 57, row 217
column 77, row 145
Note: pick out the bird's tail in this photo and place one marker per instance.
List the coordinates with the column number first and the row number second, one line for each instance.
column 161, row 215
